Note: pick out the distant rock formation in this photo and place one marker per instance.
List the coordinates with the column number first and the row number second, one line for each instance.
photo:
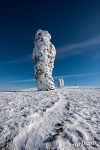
column 44, row 55
column 61, row 83
column 77, row 85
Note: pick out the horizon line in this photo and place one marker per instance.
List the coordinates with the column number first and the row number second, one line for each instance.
column 56, row 77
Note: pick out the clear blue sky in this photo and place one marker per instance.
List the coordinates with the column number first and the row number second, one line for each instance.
column 75, row 29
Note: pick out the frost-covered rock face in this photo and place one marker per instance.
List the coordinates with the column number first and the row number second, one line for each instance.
column 44, row 56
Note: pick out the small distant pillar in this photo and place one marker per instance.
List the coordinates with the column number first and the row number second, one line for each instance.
column 76, row 84
column 60, row 83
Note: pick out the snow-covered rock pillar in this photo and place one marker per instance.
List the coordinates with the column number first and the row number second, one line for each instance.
column 61, row 83
column 44, row 56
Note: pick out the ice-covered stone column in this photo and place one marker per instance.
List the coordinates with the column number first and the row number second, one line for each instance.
column 61, row 83
column 44, row 56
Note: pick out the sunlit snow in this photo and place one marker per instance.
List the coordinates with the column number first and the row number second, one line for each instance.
column 63, row 119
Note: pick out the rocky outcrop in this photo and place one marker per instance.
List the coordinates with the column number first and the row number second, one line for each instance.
column 44, row 56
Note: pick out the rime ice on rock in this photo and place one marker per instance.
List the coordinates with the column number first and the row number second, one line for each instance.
column 61, row 83
column 44, row 56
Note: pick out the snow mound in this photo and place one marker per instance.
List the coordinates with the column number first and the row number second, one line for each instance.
column 63, row 119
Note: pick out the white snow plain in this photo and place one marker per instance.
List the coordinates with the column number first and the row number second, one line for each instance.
column 63, row 119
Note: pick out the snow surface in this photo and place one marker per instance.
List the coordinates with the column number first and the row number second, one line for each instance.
column 63, row 119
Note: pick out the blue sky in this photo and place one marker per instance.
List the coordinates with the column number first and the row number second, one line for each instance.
column 75, row 29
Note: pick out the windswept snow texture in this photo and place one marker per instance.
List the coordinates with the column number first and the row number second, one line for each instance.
column 63, row 119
